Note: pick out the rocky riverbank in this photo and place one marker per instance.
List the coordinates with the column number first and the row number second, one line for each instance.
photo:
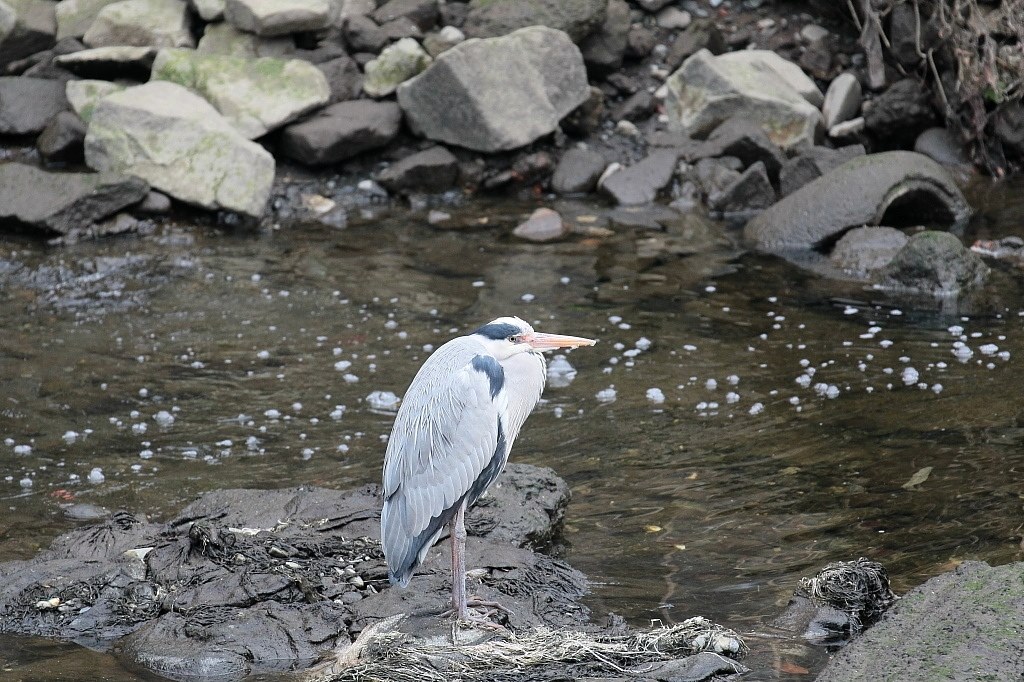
column 725, row 107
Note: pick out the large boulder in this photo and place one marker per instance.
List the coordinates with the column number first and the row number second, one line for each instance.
column 74, row 17
column 279, row 17
column 341, row 131
column 492, row 18
column 26, row 27
column 707, row 89
column 142, row 23
column 933, row 264
column 255, row 95
column 961, row 625
column 819, row 212
column 181, row 145
column 28, row 104
column 63, row 202
column 499, row 93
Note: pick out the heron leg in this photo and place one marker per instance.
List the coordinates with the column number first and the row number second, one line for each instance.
column 458, row 539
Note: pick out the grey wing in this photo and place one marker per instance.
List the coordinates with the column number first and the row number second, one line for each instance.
column 446, row 436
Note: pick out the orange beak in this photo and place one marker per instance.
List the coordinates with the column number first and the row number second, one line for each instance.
column 542, row 342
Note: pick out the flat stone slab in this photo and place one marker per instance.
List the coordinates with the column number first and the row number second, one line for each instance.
column 279, row 17
column 63, row 202
column 141, row 23
column 962, row 625
column 857, row 193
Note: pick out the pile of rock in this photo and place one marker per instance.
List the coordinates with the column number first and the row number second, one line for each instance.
column 640, row 100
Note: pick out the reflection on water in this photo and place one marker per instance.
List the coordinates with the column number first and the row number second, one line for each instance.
column 794, row 413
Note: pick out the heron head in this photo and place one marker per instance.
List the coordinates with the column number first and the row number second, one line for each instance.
column 508, row 336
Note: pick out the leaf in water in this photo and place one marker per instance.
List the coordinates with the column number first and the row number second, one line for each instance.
column 918, row 478
column 793, row 668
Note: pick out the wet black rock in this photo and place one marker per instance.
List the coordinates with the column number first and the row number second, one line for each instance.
column 577, row 171
column 641, row 182
column 962, row 625
column 244, row 581
column 900, row 113
column 701, row 34
column 341, row 131
column 933, row 264
column 63, row 138
column 28, row 104
column 362, row 34
column 63, row 202
column 864, row 249
column 344, row 77
column 431, row 170
column 750, row 192
column 423, row 13
column 604, row 49
column 813, row 163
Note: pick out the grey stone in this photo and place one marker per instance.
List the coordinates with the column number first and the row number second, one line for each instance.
column 816, row 59
column 965, row 623
column 847, row 129
column 1009, row 126
column 26, row 27
column 497, row 94
column 63, row 137
column 279, row 17
column 340, row 131
column 577, row 171
column 141, row 23
column 431, row 170
column 641, row 182
column 942, row 145
column 813, row 163
column 636, row 107
column 706, row 90
column 652, row 6
column 904, row 34
column 714, row 175
column 934, row 264
column 759, row 61
column 155, row 202
column 746, row 140
column 354, row 8
column 674, row 19
column 857, row 193
column 423, row 13
column 181, row 145
column 640, row 41
column 751, row 191
column 63, row 202
column 543, row 225
column 864, row 249
column 28, row 104
column 396, row 64
column 493, row 18
column 344, row 78
column 225, row 39
column 108, row 63
column 254, row 95
column 445, row 39
column 842, row 99
column 604, row 48
column 702, row 666
column 399, row 28
column 702, row 34
column 362, row 34
column 813, row 32
column 74, row 17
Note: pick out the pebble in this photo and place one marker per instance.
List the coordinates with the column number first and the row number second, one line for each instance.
column 607, row 395
column 655, row 395
column 96, row 476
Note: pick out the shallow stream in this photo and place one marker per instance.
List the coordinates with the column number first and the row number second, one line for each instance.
column 140, row 372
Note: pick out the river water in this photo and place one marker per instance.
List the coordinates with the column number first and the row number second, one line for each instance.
column 141, row 372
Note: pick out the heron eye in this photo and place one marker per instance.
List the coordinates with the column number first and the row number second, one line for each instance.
column 515, row 338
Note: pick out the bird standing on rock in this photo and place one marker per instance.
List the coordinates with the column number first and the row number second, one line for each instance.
column 452, row 437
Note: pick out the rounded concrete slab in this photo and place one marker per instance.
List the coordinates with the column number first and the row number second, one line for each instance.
column 860, row 192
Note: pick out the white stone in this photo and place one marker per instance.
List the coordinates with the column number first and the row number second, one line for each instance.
column 181, row 145
column 255, row 95
column 209, row 10
column 278, row 17
column 842, row 100
column 674, row 19
column 792, row 74
column 84, row 94
column 396, row 64
column 141, row 23
column 847, row 128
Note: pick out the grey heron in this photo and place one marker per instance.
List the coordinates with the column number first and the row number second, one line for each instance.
column 452, row 436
